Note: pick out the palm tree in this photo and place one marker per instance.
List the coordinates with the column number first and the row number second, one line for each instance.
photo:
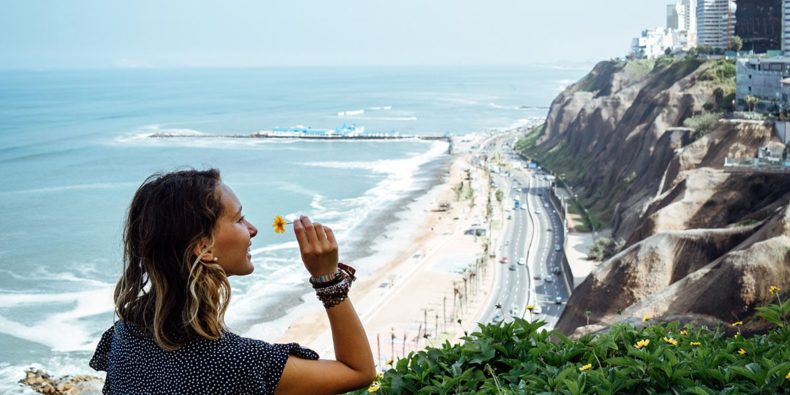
column 751, row 102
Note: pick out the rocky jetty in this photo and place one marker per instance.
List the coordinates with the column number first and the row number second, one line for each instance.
column 703, row 242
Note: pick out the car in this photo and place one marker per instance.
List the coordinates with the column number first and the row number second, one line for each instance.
column 537, row 211
column 556, row 270
column 536, row 277
column 546, row 205
column 509, row 216
column 548, row 279
column 556, row 247
column 558, row 300
column 549, row 230
column 503, row 260
column 537, row 310
column 514, row 311
column 511, row 268
column 522, row 261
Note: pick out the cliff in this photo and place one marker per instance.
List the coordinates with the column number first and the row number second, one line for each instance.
column 703, row 242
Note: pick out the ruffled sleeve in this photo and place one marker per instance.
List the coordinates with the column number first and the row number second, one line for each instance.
column 273, row 358
column 102, row 353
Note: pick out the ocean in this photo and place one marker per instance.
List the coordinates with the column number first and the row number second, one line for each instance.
column 75, row 145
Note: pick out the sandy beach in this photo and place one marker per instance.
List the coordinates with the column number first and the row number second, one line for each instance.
column 421, row 297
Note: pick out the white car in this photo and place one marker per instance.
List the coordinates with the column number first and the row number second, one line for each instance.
column 522, row 261
column 558, row 300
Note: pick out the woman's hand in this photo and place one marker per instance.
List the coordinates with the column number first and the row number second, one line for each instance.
column 317, row 245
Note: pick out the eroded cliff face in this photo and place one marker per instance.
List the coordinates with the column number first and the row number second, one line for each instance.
column 703, row 242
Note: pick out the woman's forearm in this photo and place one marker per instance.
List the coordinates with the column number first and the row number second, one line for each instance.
column 351, row 343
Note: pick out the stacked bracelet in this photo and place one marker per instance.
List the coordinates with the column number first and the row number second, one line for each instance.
column 334, row 289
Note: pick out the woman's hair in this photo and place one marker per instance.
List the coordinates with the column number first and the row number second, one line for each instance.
column 165, row 288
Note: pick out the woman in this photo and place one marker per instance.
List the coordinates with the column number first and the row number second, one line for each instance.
column 184, row 235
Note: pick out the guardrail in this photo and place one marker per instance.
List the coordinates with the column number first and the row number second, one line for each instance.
column 566, row 267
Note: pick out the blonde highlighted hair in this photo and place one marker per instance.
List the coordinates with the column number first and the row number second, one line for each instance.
column 166, row 289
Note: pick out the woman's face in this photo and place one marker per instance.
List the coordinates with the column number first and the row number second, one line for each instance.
column 232, row 234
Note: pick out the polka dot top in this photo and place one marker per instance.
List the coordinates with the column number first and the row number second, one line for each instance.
column 230, row 365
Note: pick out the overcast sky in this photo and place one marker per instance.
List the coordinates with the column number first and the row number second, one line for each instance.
column 251, row 33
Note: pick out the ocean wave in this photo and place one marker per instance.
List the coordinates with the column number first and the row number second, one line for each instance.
column 405, row 118
column 350, row 113
column 75, row 187
column 73, row 332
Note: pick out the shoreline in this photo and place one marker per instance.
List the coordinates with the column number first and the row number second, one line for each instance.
column 395, row 299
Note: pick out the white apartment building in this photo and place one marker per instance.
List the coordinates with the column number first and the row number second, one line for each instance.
column 715, row 22
column 654, row 42
column 681, row 17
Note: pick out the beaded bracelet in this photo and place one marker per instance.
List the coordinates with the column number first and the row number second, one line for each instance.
column 333, row 294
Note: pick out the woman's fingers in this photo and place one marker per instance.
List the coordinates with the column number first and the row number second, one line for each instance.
column 330, row 237
column 301, row 235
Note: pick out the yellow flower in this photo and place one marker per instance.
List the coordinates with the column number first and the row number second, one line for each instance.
column 279, row 224
column 737, row 323
column 646, row 318
column 684, row 332
column 530, row 307
column 585, row 367
column 669, row 340
column 774, row 289
column 642, row 343
column 390, row 361
column 788, row 376
column 695, row 344
column 374, row 387
column 741, row 351
column 379, row 376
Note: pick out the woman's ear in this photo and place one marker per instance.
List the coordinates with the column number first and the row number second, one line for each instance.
column 202, row 250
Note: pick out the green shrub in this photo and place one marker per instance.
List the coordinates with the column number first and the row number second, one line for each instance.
column 702, row 123
column 520, row 358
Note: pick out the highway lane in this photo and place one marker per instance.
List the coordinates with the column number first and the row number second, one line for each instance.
column 527, row 235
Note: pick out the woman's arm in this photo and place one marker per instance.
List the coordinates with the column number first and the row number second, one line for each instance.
column 354, row 367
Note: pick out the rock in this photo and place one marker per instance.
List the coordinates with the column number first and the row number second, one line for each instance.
column 41, row 382
column 702, row 240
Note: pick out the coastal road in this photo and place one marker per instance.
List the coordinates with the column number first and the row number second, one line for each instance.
column 533, row 233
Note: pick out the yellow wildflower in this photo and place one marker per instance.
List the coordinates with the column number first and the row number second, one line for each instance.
column 373, row 387
column 379, row 376
column 530, row 307
column 642, row 343
column 390, row 361
column 646, row 318
column 774, row 289
column 741, row 351
column 788, row 376
column 737, row 323
column 585, row 367
column 684, row 332
column 279, row 224
column 669, row 340
column 695, row 344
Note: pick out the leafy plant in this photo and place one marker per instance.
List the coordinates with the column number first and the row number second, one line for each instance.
column 520, row 357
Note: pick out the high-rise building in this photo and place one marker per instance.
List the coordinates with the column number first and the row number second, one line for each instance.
column 715, row 22
column 786, row 26
column 672, row 16
column 759, row 24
